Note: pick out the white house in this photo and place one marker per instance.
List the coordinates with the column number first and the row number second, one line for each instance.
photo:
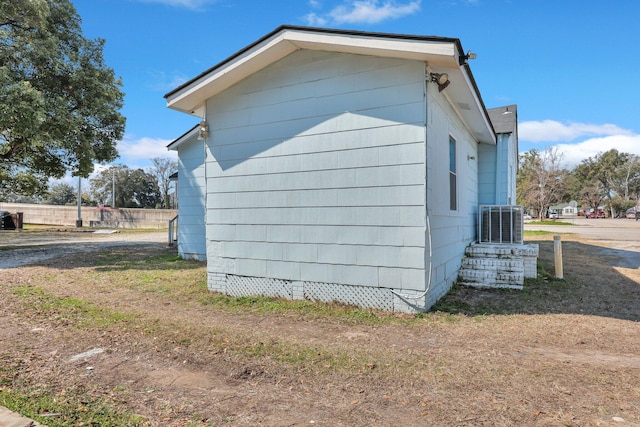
column 566, row 209
column 338, row 166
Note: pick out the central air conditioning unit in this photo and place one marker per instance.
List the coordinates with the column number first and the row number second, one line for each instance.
column 500, row 224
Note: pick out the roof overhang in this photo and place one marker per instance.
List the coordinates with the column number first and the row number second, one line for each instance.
column 188, row 135
column 439, row 53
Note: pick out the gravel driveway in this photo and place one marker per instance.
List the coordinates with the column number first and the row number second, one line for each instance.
column 30, row 247
column 617, row 237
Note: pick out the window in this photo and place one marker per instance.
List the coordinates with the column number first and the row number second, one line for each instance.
column 453, row 185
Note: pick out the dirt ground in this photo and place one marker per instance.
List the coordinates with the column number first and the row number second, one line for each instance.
column 571, row 363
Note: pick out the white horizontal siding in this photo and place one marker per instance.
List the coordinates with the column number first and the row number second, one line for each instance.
column 329, row 132
column 389, row 102
column 451, row 231
column 333, row 140
column 385, row 216
column 487, row 174
column 335, row 254
column 361, row 235
column 317, row 172
column 389, row 155
column 297, row 77
column 410, row 195
column 191, row 201
column 373, row 176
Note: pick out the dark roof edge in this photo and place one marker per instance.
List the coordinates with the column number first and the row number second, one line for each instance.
column 183, row 135
column 322, row 31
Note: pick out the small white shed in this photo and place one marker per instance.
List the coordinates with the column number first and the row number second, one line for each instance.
column 338, row 166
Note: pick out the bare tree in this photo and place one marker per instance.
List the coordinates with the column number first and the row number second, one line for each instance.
column 593, row 195
column 630, row 173
column 162, row 169
column 541, row 179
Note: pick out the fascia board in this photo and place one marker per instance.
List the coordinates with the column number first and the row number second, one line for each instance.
column 188, row 135
column 420, row 50
column 192, row 97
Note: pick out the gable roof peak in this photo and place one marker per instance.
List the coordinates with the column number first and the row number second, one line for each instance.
column 441, row 54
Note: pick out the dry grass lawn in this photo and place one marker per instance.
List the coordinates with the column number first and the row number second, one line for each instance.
column 559, row 353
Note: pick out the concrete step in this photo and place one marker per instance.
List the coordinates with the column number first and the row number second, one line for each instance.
column 501, row 251
column 495, row 264
column 480, row 285
column 492, row 276
column 498, row 266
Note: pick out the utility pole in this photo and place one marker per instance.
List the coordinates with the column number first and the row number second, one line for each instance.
column 79, row 220
column 113, row 188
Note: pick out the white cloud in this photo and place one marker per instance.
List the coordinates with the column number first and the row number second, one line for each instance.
column 371, row 12
column 135, row 153
column 363, row 11
column 196, row 5
column 73, row 180
column 315, row 20
column 97, row 168
column 144, row 149
column 573, row 154
column 578, row 141
column 552, row 131
column 159, row 81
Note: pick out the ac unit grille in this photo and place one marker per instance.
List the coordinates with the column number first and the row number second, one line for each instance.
column 500, row 224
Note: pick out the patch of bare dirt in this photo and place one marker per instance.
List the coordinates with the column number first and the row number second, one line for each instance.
column 566, row 362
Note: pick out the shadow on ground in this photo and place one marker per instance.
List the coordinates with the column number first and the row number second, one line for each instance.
column 597, row 281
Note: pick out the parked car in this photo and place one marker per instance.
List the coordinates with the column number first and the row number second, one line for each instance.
column 6, row 221
column 526, row 217
column 594, row 215
column 633, row 213
column 553, row 215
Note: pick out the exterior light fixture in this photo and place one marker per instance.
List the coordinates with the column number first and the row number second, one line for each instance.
column 203, row 130
column 441, row 79
column 464, row 58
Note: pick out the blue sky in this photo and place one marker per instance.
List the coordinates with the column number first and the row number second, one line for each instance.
column 569, row 65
